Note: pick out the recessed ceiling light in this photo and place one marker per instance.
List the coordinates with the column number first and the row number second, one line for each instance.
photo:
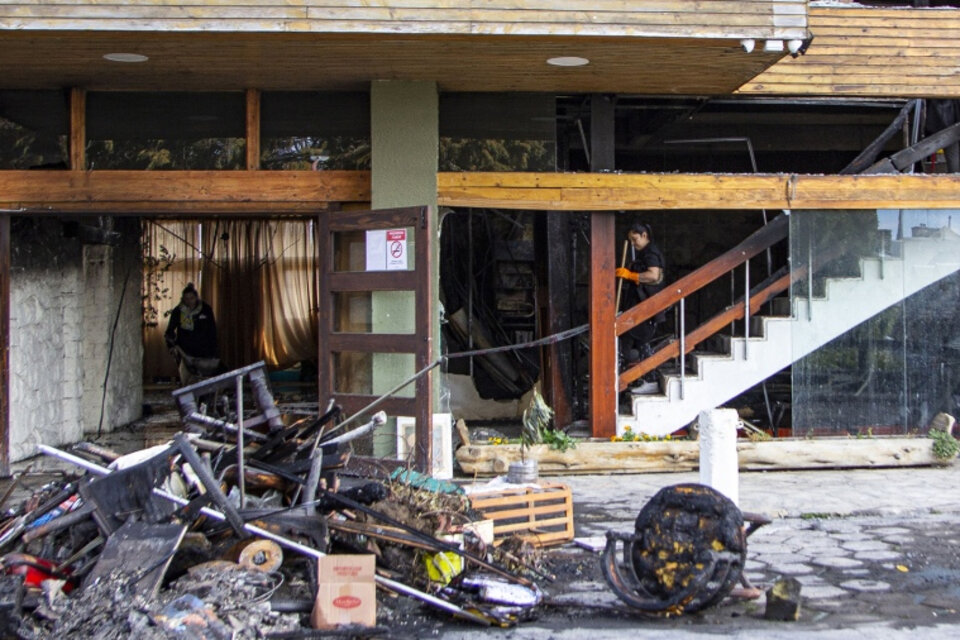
column 568, row 61
column 125, row 57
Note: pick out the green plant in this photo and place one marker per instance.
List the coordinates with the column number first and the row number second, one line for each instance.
column 945, row 446
column 536, row 419
column 559, row 440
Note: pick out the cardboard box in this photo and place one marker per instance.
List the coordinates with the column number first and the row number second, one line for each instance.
column 346, row 592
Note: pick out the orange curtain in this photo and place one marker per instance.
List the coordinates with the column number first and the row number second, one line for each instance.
column 259, row 276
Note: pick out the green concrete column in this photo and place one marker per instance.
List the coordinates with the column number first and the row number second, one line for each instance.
column 405, row 139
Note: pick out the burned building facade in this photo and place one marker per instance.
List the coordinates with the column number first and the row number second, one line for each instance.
column 249, row 149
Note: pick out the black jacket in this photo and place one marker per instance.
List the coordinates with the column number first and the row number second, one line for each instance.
column 199, row 341
column 649, row 256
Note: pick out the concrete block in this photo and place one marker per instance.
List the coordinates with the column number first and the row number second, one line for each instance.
column 718, row 452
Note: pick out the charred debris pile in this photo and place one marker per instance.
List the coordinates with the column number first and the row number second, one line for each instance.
column 240, row 525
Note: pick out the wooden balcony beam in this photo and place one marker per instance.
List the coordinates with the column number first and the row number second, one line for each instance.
column 678, row 191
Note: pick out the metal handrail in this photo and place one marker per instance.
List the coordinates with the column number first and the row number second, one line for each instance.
column 677, row 293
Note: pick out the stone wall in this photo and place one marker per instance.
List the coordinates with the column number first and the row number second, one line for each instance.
column 65, row 296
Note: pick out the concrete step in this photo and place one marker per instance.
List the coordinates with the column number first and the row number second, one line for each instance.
column 724, row 366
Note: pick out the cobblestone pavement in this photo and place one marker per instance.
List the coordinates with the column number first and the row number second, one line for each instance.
column 877, row 553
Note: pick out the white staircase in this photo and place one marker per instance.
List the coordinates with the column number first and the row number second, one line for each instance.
column 741, row 364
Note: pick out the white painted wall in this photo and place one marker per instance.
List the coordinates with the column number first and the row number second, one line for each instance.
column 64, row 298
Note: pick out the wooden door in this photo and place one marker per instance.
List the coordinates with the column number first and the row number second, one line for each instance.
column 357, row 341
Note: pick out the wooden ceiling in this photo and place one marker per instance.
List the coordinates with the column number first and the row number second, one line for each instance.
column 296, row 61
column 871, row 52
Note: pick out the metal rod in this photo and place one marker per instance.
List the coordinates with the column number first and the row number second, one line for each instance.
column 733, row 300
column 746, row 309
column 241, row 481
column 264, row 533
column 219, row 380
column 210, row 421
column 683, row 346
column 388, row 394
column 766, row 402
column 810, row 275
column 883, row 251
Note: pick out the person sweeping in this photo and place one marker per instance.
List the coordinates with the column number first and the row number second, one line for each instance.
column 644, row 278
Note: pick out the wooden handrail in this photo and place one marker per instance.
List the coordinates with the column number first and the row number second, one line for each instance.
column 759, row 241
column 764, row 292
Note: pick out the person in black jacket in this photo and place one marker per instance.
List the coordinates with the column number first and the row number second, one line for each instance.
column 644, row 277
column 191, row 336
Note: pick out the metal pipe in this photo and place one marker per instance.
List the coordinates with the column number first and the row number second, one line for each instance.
column 746, row 309
column 241, row 481
column 210, row 383
column 810, row 275
column 264, row 533
column 683, row 346
column 733, row 301
column 210, row 421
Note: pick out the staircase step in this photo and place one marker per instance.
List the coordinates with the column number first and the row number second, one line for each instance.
column 724, row 366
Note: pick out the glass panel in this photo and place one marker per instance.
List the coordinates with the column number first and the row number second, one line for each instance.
column 931, row 341
column 353, row 311
column 390, row 369
column 373, row 373
column 497, row 132
column 872, row 344
column 164, row 130
column 375, row 250
column 33, row 130
column 315, row 130
column 353, row 372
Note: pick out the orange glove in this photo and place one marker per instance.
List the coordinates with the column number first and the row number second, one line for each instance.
column 626, row 274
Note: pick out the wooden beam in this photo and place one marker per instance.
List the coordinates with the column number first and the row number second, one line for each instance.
column 78, row 129
column 603, row 317
column 556, row 293
column 253, row 129
column 651, row 191
column 684, row 455
column 780, row 19
column 180, row 191
column 603, row 310
column 426, row 296
column 4, row 344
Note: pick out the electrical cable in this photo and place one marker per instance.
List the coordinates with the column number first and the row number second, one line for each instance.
column 113, row 335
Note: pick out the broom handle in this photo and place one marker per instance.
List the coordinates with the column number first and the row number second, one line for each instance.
column 623, row 263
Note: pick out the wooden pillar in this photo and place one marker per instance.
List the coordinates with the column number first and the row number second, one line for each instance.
column 253, row 129
column 603, row 312
column 5, row 344
column 78, row 129
column 557, row 297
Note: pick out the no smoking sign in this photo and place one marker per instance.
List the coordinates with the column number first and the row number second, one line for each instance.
column 396, row 249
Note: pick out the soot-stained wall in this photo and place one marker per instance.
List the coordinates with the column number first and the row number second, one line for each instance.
column 65, row 297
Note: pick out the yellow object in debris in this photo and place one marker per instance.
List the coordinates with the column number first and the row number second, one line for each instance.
column 443, row 567
column 902, row 568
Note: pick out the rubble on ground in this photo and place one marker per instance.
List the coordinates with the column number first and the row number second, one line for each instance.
column 218, row 533
column 254, row 524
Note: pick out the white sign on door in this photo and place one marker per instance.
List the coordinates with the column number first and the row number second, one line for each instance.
column 396, row 249
column 387, row 250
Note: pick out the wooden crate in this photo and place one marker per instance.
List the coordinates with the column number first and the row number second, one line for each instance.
column 543, row 515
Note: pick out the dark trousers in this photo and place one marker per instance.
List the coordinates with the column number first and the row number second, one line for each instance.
column 635, row 344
